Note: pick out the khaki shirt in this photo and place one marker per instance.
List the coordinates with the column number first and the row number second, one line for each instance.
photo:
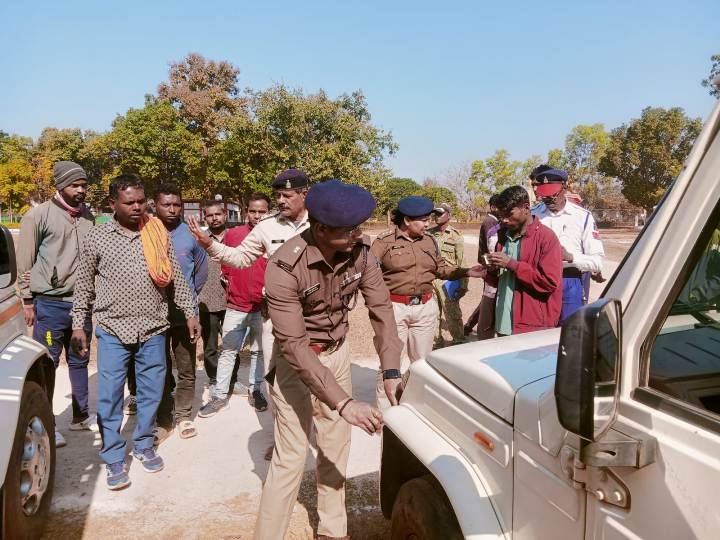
column 452, row 247
column 265, row 239
column 410, row 266
column 309, row 301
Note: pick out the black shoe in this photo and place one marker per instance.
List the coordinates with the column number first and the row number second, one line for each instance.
column 212, row 407
column 257, row 400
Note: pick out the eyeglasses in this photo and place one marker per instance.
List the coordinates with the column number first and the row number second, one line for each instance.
column 348, row 232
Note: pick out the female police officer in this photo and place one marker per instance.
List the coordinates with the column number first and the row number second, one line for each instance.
column 410, row 260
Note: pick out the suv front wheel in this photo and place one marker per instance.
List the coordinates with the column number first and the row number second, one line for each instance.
column 421, row 511
column 28, row 486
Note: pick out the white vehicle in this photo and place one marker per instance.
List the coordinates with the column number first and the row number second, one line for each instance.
column 607, row 428
column 27, row 441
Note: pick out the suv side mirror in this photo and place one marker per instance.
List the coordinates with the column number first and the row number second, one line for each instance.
column 8, row 270
column 588, row 369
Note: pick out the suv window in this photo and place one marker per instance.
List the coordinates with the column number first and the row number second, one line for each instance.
column 684, row 361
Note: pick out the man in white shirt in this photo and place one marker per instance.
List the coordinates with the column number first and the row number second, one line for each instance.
column 289, row 188
column 575, row 228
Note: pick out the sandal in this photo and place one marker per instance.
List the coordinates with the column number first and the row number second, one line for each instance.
column 160, row 434
column 187, row 429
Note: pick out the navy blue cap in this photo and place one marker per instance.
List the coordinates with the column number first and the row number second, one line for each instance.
column 290, row 179
column 538, row 170
column 551, row 176
column 415, row 206
column 336, row 204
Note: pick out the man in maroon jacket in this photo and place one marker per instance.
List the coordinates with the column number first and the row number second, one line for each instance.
column 242, row 317
column 526, row 268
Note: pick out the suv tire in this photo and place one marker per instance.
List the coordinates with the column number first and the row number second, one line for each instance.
column 421, row 512
column 23, row 516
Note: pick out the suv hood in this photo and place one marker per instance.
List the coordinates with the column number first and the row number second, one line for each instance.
column 492, row 371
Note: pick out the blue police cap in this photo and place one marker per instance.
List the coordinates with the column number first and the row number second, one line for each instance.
column 336, row 204
column 551, row 176
column 290, row 179
column 539, row 170
column 415, row 206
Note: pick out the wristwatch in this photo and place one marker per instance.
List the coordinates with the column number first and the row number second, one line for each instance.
column 392, row 374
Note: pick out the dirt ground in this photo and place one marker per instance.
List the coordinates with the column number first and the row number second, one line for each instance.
column 211, row 484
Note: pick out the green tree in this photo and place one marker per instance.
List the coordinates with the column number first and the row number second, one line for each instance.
column 647, row 154
column 709, row 83
column 394, row 190
column 16, row 174
column 207, row 98
column 153, row 143
column 328, row 138
column 492, row 175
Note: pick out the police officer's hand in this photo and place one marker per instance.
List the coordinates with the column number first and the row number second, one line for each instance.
column 79, row 342
column 363, row 415
column 498, row 259
column 29, row 311
column 393, row 389
column 202, row 237
column 477, row 271
column 193, row 326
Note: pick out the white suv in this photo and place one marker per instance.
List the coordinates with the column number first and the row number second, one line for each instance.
column 27, row 442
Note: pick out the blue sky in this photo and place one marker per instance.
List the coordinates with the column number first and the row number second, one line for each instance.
column 451, row 81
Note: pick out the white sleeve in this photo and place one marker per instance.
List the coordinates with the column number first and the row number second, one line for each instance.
column 594, row 253
column 242, row 256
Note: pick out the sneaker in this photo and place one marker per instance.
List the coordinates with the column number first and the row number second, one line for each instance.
column 89, row 424
column 257, row 400
column 130, row 407
column 151, row 462
column 59, row 440
column 212, row 407
column 117, row 477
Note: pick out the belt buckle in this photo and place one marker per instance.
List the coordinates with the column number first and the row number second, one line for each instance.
column 414, row 301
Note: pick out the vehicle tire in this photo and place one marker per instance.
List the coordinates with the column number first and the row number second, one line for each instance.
column 28, row 487
column 421, row 512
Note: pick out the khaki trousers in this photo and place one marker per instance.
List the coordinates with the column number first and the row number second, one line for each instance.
column 416, row 327
column 449, row 316
column 296, row 411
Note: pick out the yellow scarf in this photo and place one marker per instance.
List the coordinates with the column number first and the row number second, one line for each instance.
column 155, row 241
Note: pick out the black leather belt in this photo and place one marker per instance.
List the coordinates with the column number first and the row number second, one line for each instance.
column 572, row 273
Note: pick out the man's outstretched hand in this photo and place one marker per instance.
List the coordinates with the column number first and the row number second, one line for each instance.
column 202, row 237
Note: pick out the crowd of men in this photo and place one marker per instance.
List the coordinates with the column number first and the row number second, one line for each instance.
column 283, row 283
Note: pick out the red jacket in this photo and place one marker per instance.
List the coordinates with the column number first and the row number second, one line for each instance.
column 245, row 285
column 537, row 300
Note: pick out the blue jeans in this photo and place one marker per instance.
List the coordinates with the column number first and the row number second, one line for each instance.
column 113, row 358
column 573, row 294
column 235, row 327
column 53, row 328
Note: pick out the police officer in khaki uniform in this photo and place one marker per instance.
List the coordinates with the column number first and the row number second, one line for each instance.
column 448, row 293
column 410, row 260
column 312, row 282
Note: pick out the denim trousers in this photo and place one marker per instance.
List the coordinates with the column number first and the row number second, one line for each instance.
column 235, row 327
column 53, row 328
column 150, row 366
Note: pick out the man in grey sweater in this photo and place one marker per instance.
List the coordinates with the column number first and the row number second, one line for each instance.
column 51, row 237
